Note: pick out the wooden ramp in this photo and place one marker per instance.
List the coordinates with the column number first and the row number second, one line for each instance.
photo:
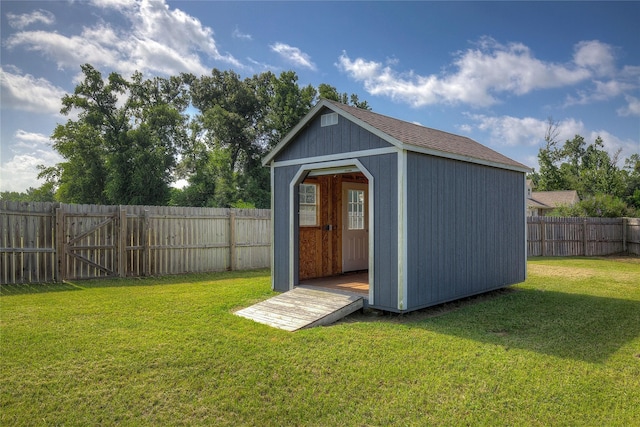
column 302, row 308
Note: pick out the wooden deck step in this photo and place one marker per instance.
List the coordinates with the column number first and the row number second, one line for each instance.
column 302, row 308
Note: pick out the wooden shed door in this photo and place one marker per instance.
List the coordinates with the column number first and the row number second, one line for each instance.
column 355, row 227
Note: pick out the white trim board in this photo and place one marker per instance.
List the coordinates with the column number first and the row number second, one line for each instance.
column 303, row 171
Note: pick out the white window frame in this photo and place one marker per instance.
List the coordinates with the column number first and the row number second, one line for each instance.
column 329, row 119
column 305, row 202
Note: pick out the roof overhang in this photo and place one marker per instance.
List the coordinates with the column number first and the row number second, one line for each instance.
column 323, row 103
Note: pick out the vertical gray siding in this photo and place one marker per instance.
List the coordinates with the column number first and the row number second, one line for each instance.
column 344, row 137
column 280, row 220
column 384, row 169
column 466, row 229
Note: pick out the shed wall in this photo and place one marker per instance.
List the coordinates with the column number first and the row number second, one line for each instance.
column 384, row 169
column 466, row 229
column 280, row 221
column 344, row 137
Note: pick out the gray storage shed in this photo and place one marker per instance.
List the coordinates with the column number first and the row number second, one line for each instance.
column 431, row 216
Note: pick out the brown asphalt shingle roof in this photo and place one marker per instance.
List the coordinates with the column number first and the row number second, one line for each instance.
column 553, row 199
column 424, row 137
column 406, row 135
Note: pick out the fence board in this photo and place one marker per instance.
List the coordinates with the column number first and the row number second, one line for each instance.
column 152, row 240
column 43, row 242
column 632, row 235
column 27, row 246
column 557, row 236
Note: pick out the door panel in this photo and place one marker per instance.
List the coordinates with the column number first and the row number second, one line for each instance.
column 355, row 227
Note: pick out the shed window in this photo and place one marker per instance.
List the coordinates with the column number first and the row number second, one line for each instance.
column 308, row 208
column 355, row 209
column 329, row 119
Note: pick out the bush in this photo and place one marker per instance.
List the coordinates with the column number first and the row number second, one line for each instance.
column 600, row 205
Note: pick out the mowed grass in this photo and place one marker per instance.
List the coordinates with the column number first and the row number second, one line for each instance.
column 561, row 349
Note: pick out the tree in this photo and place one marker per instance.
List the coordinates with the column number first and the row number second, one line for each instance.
column 550, row 177
column 631, row 178
column 44, row 193
column 591, row 171
column 228, row 135
column 240, row 120
column 600, row 205
column 288, row 104
column 122, row 148
column 330, row 92
column 588, row 169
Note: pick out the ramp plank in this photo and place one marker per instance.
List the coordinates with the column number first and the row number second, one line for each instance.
column 302, row 308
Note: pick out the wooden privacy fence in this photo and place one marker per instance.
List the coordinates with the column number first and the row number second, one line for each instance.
column 557, row 236
column 44, row 242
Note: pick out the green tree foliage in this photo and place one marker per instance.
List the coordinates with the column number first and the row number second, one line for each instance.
column 44, row 193
column 239, row 122
column 330, row 92
column 605, row 189
column 600, row 205
column 123, row 147
column 631, row 173
column 133, row 138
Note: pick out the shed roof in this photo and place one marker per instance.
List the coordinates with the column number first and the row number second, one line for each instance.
column 552, row 199
column 408, row 136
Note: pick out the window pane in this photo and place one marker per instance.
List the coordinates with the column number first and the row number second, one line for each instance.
column 307, row 205
column 355, row 209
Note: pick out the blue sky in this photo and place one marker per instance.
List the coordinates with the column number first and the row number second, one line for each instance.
column 493, row 71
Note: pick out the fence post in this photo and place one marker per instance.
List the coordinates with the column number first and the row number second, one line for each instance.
column 59, row 246
column 232, row 239
column 624, row 234
column 145, row 242
column 543, row 237
column 584, row 236
column 122, row 242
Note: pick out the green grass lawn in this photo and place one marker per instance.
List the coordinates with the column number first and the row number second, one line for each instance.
column 561, row 349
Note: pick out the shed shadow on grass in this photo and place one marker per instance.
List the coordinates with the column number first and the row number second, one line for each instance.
column 581, row 327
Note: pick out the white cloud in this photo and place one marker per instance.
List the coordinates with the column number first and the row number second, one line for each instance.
column 176, row 30
column 595, row 55
column 21, row 171
column 71, row 52
column 522, row 131
column 25, row 19
column 240, row 35
column 31, row 140
column 27, row 93
column 632, row 108
column 612, row 144
column 528, row 131
column 293, row 55
column 159, row 40
column 481, row 74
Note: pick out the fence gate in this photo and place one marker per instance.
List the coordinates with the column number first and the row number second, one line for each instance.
column 92, row 243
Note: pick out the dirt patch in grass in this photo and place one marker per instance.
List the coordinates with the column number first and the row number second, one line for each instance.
column 628, row 258
column 578, row 269
column 570, row 273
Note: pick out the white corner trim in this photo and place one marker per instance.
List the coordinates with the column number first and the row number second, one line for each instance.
column 402, row 230
column 273, row 233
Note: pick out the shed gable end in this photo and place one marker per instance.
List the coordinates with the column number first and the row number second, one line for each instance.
column 318, row 139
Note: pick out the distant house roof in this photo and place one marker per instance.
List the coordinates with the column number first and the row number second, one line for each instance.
column 409, row 136
column 552, row 199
